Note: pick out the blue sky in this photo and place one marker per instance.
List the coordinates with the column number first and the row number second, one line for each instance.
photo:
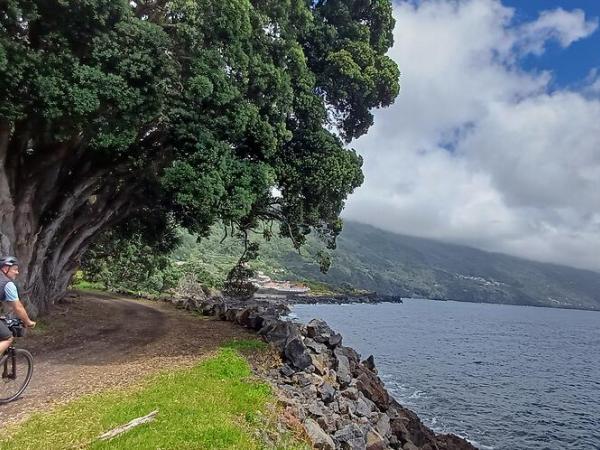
column 571, row 65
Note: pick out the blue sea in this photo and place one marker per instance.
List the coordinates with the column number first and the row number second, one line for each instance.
column 504, row 377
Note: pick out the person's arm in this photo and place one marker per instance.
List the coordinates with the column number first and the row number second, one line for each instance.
column 19, row 310
column 12, row 299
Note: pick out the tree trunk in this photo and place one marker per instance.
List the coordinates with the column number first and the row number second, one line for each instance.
column 49, row 254
column 53, row 203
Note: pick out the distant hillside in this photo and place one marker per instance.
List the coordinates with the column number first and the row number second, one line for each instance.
column 389, row 263
column 370, row 258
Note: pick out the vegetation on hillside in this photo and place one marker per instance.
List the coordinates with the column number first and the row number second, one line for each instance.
column 387, row 263
column 180, row 113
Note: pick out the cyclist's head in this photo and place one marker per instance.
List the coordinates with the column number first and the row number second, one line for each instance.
column 9, row 266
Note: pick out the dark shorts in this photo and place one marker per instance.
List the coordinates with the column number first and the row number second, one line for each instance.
column 5, row 333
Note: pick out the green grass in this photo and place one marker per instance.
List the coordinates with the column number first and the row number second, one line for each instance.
column 84, row 285
column 320, row 288
column 215, row 405
column 245, row 344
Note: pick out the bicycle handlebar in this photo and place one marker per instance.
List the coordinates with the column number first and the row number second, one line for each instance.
column 16, row 326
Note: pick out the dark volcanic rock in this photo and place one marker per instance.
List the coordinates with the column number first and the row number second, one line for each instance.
column 296, row 353
column 372, row 387
column 318, row 437
column 375, row 441
column 334, row 340
column 350, row 437
column 318, row 330
column 255, row 321
column 287, row 371
column 279, row 332
column 453, row 442
column 326, row 392
column 315, row 346
column 408, row 428
column 342, row 368
column 316, row 409
column 369, row 363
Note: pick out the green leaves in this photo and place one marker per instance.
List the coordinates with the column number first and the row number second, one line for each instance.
column 346, row 48
column 208, row 110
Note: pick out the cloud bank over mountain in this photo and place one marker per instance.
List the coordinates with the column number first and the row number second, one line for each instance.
column 479, row 151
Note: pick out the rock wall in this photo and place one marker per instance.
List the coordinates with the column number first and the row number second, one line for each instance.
column 339, row 399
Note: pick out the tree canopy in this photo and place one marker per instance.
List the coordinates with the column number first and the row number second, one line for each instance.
column 180, row 112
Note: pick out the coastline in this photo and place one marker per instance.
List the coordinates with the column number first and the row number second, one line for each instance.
column 340, row 400
column 373, row 298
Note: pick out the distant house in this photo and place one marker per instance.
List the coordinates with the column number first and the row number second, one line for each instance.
column 265, row 283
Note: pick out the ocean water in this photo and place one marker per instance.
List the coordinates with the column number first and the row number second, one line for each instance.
column 504, row 377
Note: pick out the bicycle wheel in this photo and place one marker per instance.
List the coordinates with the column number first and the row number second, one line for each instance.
column 17, row 368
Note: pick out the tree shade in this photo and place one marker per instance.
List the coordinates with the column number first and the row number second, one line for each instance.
column 180, row 112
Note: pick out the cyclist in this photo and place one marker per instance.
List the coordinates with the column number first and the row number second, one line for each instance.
column 9, row 269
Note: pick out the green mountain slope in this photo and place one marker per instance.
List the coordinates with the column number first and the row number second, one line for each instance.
column 388, row 263
column 414, row 267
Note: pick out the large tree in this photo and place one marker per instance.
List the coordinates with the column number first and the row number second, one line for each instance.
column 180, row 112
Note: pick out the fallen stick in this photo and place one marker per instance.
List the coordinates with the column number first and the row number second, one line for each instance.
column 128, row 426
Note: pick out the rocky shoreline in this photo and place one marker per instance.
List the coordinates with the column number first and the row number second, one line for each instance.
column 340, row 299
column 339, row 399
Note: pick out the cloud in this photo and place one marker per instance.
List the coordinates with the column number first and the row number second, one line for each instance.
column 591, row 85
column 478, row 151
column 560, row 25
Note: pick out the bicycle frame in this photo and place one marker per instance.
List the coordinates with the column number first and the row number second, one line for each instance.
column 9, row 359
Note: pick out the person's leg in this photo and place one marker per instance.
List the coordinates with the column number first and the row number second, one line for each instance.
column 6, row 337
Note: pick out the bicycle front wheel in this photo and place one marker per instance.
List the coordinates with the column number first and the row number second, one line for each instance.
column 17, row 368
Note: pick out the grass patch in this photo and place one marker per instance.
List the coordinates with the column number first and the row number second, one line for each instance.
column 245, row 344
column 84, row 285
column 215, row 405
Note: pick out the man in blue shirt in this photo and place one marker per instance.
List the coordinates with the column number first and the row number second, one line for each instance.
column 9, row 296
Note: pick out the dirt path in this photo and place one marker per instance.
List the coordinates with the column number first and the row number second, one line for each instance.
column 96, row 341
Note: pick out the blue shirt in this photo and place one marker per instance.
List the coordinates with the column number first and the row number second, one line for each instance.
column 10, row 292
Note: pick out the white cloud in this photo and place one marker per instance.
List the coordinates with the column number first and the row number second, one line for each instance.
column 478, row 151
column 563, row 26
column 592, row 83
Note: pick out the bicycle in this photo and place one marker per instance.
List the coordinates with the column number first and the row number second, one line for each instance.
column 16, row 365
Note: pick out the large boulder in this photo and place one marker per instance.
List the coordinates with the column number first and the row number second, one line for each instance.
column 255, row 320
column 369, row 363
column 375, row 441
column 316, row 347
column 350, row 437
column 453, row 442
column 278, row 332
column 383, row 425
column 334, row 340
column 318, row 438
column 372, row 387
column 329, row 422
column 407, row 427
column 326, row 392
column 319, row 331
column 317, row 409
column 363, row 406
column 342, row 368
column 320, row 363
column 352, row 356
column 296, row 353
